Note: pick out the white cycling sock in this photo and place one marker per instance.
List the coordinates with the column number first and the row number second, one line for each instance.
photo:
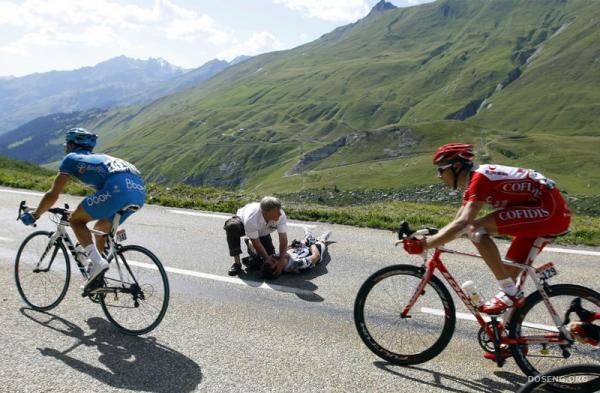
column 92, row 253
column 508, row 286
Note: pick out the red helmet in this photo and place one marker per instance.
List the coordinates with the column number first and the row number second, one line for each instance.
column 452, row 152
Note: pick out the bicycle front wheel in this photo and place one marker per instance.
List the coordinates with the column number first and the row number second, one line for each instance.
column 136, row 296
column 533, row 320
column 586, row 376
column 42, row 271
column 414, row 339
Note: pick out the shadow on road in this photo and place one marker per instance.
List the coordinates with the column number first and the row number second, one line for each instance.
column 484, row 385
column 136, row 363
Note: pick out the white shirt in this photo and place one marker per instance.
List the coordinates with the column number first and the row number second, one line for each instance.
column 255, row 224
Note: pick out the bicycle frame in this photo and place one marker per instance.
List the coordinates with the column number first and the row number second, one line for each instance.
column 562, row 337
column 113, row 246
column 129, row 295
column 61, row 233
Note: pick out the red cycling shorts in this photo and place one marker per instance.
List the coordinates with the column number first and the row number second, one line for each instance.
column 526, row 223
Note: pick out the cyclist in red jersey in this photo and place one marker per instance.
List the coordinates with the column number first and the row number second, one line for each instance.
column 528, row 206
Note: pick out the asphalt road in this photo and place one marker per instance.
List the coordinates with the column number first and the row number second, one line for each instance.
column 292, row 334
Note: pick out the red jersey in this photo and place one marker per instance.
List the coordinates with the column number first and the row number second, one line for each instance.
column 504, row 186
column 529, row 206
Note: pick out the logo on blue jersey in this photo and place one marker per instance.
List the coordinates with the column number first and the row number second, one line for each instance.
column 131, row 185
column 96, row 199
column 81, row 168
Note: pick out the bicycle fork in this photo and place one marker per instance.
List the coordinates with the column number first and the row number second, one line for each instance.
column 51, row 243
column 418, row 292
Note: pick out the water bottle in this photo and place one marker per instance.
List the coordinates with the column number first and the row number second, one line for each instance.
column 473, row 294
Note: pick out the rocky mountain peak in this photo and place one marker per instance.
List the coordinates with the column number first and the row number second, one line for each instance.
column 383, row 6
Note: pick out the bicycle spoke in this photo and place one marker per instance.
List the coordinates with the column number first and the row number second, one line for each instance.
column 46, row 288
column 534, row 320
column 141, row 305
column 378, row 310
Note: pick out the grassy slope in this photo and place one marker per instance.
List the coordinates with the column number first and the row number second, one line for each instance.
column 407, row 66
column 410, row 67
column 21, row 174
column 558, row 91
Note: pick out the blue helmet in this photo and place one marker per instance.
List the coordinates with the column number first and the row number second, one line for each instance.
column 81, row 137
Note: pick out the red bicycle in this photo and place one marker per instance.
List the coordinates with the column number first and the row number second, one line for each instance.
column 405, row 314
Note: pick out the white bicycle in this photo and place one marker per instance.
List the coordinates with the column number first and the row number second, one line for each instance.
column 134, row 293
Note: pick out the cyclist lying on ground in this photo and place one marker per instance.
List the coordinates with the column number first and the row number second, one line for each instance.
column 300, row 257
column 118, row 184
column 529, row 206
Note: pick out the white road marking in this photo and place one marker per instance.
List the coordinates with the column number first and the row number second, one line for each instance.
column 570, row 251
column 471, row 317
column 21, row 192
column 5, row 239
column 230, row 280
column 211, row 215
column 226, row 216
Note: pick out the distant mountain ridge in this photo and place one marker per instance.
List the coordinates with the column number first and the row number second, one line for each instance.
column 117, row 81
column 41, row 140
column 239, row 59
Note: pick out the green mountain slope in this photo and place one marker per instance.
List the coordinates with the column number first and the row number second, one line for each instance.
column 365, row 105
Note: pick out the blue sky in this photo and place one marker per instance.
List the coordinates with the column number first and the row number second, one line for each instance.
column 44, row 35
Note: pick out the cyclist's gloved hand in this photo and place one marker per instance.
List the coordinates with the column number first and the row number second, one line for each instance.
column 28, row 219
column 413, row 246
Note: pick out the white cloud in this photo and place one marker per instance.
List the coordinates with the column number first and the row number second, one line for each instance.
column 330, row 10
column 258, row 43
column 61, row 20
column 197, row 27
column 15, row 50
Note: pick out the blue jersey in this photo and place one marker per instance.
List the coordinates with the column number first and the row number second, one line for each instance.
column 95, row 169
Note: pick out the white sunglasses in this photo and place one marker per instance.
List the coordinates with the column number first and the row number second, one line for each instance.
column 442, row 168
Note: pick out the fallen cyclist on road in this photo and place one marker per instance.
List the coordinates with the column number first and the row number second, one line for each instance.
column 302, row 255
column 117, row 183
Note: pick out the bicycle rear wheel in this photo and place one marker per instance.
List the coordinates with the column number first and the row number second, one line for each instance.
column 411, row 340
column 587, row 377
column 137, row 303
column 534, row 320
column 42, row 271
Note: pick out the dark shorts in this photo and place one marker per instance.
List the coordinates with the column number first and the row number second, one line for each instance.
column 234, row 229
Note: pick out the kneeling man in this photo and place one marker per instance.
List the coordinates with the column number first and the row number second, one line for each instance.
column 257, row 220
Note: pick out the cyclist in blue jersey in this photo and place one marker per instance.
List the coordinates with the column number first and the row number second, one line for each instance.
column 117, row 183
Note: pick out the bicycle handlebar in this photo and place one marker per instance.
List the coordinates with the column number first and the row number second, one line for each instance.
column 404, row 231
column 63, row 212
column 23, row 208
column 59, row 210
